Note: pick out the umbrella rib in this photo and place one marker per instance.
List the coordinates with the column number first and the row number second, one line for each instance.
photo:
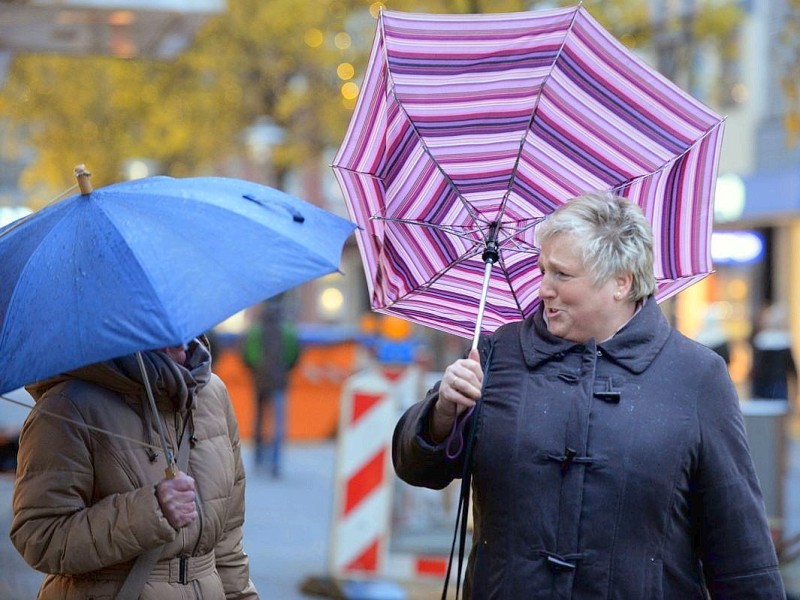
column 39, row 409
column 393, row 90
column 673, row 159
column 522, row 248
column 426, row 285
column 510, row 285
column 534, row 221
column 462, row 232
column 451, row 229
column 515, row 168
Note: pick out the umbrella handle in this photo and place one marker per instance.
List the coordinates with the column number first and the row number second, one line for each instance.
column 296, row 215
column 172, row 470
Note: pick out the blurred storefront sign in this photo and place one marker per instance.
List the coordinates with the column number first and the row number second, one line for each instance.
column 729, row 198
column 125, row 28
column 736, row 247
column 761, row 196
column 771, row 194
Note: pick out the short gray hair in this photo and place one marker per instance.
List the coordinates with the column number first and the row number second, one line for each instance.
column 614, row 236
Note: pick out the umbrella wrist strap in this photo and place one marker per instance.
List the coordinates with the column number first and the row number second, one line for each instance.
column 455, row 440
column 134, row 583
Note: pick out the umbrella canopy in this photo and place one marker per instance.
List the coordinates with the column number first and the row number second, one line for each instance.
column 148, row 264
column 470, row 129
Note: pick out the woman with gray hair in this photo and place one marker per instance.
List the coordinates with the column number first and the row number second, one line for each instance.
column 609, row 457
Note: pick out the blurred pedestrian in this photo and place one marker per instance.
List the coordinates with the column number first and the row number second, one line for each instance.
column 97, row 514
column 773, row 374
column 610, row 458
column 712, row 334
column 271, row 349
column 214, row 346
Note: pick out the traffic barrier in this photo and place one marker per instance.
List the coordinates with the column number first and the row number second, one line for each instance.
column 365, row 486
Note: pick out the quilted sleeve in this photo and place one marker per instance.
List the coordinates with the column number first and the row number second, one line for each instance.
column 55, row 526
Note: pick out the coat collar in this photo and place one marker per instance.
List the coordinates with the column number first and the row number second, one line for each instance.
column 633, row 347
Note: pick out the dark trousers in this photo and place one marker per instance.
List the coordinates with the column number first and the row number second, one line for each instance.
column 268, row 453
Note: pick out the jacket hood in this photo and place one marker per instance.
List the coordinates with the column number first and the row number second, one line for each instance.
column 123, row 375
column 633, row 347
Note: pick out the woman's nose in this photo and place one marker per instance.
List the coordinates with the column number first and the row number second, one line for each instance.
column 546, row 289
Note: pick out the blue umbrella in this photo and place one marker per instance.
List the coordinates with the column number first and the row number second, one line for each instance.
column 148, row 264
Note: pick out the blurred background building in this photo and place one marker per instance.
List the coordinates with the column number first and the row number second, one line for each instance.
column 738, row 56
column 757, row 206
column 158, row 29
column 741, row 57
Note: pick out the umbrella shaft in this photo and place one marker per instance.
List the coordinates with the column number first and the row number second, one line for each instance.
column 487, row 273
column 157, row 417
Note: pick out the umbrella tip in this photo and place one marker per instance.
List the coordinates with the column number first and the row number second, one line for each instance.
column 83, row 179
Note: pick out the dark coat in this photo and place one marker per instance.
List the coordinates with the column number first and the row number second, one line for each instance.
column 659, row 500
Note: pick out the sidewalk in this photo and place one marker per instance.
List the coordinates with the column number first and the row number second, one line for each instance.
column 17, row 580
column 288, row 523
column 287, row 519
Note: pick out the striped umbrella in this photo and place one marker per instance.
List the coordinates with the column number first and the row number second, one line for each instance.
column 470, row 129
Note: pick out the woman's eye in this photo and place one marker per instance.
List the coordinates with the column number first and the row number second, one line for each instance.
column 554, row 273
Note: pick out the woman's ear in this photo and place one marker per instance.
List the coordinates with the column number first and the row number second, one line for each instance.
column 624, row 284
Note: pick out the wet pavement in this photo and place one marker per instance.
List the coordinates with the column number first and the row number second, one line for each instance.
column 288, row 519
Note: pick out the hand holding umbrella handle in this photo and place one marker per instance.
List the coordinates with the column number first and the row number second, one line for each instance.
column 177, row 498
column 462, row 385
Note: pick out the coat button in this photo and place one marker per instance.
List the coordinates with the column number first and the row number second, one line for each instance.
column 559, row 566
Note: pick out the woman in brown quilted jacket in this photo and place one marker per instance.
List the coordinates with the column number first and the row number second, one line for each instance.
column 87, row 504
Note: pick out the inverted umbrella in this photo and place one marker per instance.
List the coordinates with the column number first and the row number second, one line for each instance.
column 470, row 129
column 148, row 264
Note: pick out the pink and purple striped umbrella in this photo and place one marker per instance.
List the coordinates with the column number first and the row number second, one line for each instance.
column 470, row 129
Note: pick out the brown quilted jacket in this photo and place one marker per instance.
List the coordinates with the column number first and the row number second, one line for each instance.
column 84, row 502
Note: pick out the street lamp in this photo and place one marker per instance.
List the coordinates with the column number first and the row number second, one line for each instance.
column 261, row 138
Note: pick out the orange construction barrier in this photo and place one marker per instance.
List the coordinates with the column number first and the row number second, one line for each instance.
column 232, row 370
column 315, row 386
column 312, row 398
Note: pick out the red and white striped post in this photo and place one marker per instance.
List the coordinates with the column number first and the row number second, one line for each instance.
column 361, row 524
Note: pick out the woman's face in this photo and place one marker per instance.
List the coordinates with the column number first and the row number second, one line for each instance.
column 576, row 308
column 176, row 353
